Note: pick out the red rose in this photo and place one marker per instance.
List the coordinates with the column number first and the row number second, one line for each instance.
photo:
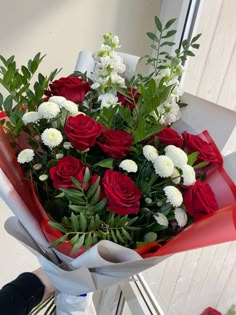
column 66, row 168
column 211, row 311
column 130, row 100
column 199, row 200
column 82, row 131
column 206, row 151
column 116, row 143
column 168, row 136
column 122, row 195
column 72, row 88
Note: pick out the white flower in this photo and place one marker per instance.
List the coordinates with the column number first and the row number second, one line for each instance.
column 59, row 100
column 31, row 117
column 181, row 217
column 25, row 156
column 148, row 200
column 173, row 195
column 150, row 152
column 70, row 106
column 189, row 175
column 59, row 156
column 51, row 137
column 164, row 166
column 67, row 145
column 37, row 167
column 48, row 110
column 117, row 79
column 95, row 85
column 161, row 219
column 43, row 177
column 177, row 155
column 108, row 100
column 129, row 166
column 169, row 111
column 176, row 176
column 163, row 73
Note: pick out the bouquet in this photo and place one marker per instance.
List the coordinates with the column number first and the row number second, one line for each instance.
column 99, row 171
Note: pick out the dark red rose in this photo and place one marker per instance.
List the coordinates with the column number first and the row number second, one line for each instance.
column 72, row 88
column 122, row 194
column 130, row 100
column 116, row 143
column 211, row 311
column 66, row 168
column 207, row 153
column 199, row 200
column 168, row 136
column 82, row 131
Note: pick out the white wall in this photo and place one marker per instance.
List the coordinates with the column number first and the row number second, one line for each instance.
column 61, row 28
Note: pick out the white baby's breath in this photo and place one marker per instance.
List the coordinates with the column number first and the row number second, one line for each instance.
column 48, row 110
column 177, row 155
column 163, row 166
column 25, row 156
column 51, row 137
column 181, row 217
column 59, row 100
column 189, row 175
column 176, row 176
column 173, row 195
column 31, row 117
column 161, row 219
column 150, row 152
column 129, row 166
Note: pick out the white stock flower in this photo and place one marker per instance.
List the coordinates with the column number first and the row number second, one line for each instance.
column 25, row 156
column 189, row 175
column 163, row 73
column 70, row 106
column 164, row 166
column 108, row 100
column 176, row 176
column 161, row 219
column 31, row 117
column 150, row 152
column 43, row 177
column 117, row 79
column 181, row 217
column 51, row 137
column 59, row 100
column 48, row 110
column 177, row 155
column 129, row 166
column 173, row 195
column 169, row 111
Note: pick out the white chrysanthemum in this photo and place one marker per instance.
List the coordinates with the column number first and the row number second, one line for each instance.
column 70, row 106
column 129, row 166
column 189, row 175
column 25, row 156
column 51, row 137
column 31, row 117
column 108, row 100
column 181, row 217
column 48, row 110
column 177, row 155
column 43, row 177
column 173, row 195
column 164, row 166
column 150, row 152
column 176, row 176
column 161, row 219
column 59, row 100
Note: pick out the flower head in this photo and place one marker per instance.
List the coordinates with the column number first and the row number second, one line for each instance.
column 164, row 166
column 25, row 156
column 175, row 176
column 189, row 175
column 31, row 117
column 150, row 152
column 177, row 155
column 161, row 219
column 108, row 100
column 43, row 177
column 173, row 195
column 70, row 106
column 129, row 166
column 181, row 217
column 59, row 100
column 48, row 110
column 51, row 137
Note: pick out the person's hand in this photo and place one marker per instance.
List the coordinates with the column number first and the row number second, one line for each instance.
column 49, row 288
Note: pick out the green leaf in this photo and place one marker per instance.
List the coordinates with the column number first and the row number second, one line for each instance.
column 58, row 241
column 169, row 34
column 120, row 237
column 83, row 222
column 196, row 46
column 100, row 205
column 169, row 23
column 91, row 225
column 190, row 53
column 195, row 38
column 113, row 235
column 74, row 239
column 7, row 104
column 200, row 165
column 74, row 222
column 158, row 24
column 86, row 177
column 76, row 183
column 152, row 36
column 78, row 245
column 107, row 163
column 167, row 44
column 1, row 100
column 192, row 158
column 95, row 197
column 25, row 72
column 88, row 241
column 76, row 208
column 57, row 226
column 126, row 234
column 93, row 188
